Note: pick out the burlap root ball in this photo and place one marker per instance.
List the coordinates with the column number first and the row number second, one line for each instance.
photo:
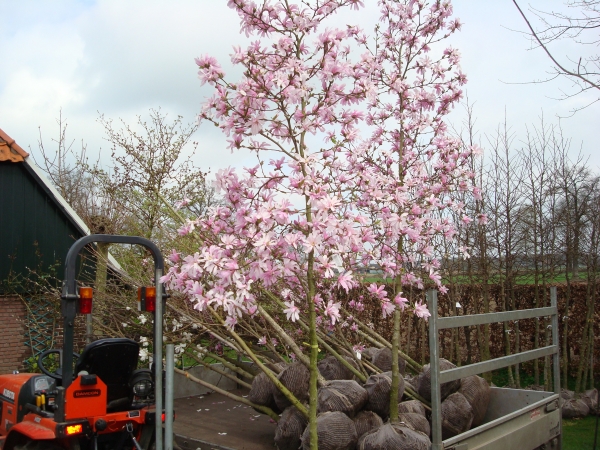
column 416, row 422
column 366, row 421
column 332, row 369
column 410, row 381
column 477, row 391
column 346, row 396
column 369, row 352
column 457, row 415
column 382, row 359
column 412, row 406
column 295, row 377
column 424, row 381
column 566, row 394
column 591, row 399
column 289, row 430
column 335, row 431
column 262, row 392
column 378, row 387
column 396, row 437
column 574, row 409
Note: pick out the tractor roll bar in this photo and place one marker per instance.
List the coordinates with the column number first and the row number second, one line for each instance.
column 69, row 310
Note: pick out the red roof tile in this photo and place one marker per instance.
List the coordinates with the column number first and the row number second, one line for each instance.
column 10, row 150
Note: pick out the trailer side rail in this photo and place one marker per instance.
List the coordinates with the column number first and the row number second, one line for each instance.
column 440, row 323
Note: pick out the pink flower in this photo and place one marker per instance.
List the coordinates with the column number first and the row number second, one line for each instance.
column 387, row 308
column 292, row 311
column 230, row 322
column 377, row 291
column 345, row 281
column 174, row 257
column 332, row 310
column 400, row 301
column 421, row 310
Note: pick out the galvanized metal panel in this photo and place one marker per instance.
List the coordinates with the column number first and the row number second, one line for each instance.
column 480, row 319
column 494, row 364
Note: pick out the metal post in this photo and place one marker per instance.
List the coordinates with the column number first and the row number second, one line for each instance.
column 69, row 306
column 434, row 367
column 89, row 328
column 158, row 363
column 170, row 357
column 556, row 356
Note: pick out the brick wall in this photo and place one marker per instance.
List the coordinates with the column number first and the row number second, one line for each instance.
column 13, row 350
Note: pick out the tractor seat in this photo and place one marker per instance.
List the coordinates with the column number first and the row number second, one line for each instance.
column 113, row 360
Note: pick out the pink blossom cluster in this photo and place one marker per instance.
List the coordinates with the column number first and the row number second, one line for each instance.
column 323, row 200
column 412, row 169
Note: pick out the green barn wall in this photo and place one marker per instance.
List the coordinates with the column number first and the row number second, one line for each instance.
column 34, row 230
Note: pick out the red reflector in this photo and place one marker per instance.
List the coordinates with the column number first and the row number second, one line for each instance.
column 162, row 417
column 74, row 429
column 85, row 300
column 150, row 298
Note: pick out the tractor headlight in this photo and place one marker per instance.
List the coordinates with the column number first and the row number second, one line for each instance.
column 143, row 388
column 141, row 384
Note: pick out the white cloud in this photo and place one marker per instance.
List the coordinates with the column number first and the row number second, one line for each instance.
column 121, row 58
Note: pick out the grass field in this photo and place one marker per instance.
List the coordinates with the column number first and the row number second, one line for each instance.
column 579, row 434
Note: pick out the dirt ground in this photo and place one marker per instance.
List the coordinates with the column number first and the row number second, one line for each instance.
column 213, row 421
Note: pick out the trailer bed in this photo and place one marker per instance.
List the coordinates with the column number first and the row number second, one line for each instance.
column 515, row 419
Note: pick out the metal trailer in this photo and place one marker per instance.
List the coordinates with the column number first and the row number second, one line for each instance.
column 516, row 419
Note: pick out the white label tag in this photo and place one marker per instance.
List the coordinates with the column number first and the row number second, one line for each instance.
column 9, row 394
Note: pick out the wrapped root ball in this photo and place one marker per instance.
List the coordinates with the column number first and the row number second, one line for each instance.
column 262, row 392
column 477, row 392
column 332, row 369
column 346, row 396
column 457, row 415
column 378, row 388
column 289, row 429
column 382, row 359
column 395, row 437
column 412, row 406
column 424, row 381
column 335, row 431
column 574, row 409
column 295, row 377
column 366, row 421
column 416, row 422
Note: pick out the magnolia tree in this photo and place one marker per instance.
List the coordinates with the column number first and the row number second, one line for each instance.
column 323, row 201
column 412, row 172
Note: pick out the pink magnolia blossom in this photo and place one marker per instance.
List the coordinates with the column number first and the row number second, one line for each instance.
column 332, row 310
column 421, row 310
column 292, row 311
column 387, row 308
column 400, row 301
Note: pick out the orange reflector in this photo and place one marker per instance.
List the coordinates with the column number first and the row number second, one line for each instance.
column 74, row 429
column 86, row 295
column 150, row 298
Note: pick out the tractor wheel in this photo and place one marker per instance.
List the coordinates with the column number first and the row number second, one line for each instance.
column 38, row 445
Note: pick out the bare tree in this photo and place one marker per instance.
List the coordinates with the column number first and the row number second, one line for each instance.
column 78, row 181
column 580, row 27
column 153, row 174
column 505, row 200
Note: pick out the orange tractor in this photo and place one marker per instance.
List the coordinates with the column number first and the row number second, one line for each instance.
column 96, row 400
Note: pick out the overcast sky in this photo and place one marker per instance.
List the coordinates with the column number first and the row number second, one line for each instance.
column 122, row 57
